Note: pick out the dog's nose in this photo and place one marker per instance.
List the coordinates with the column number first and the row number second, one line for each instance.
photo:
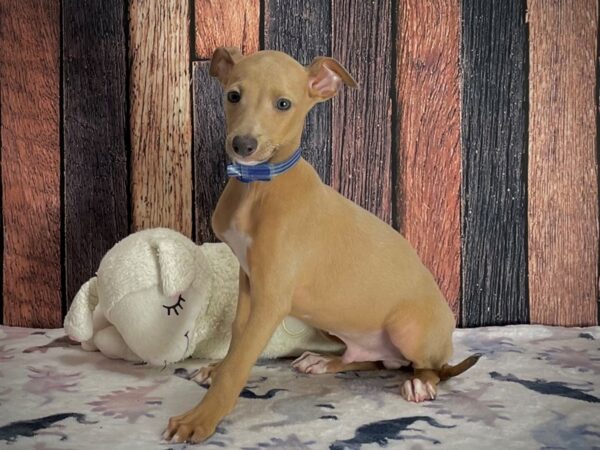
column 244, row 145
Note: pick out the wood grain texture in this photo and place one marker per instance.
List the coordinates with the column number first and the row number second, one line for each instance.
column 95, row 135
column 563, row 189
column 494, row 146
column 428, row 99
column 209, row 149
column 30, row 135
column 161, row 128
column 231, row 23
column 361, row 118
column 302, row 28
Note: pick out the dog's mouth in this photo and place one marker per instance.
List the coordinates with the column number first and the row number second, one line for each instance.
column 248, row 161
column 260, row 156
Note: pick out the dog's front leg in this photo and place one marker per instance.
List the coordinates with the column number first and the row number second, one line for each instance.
column 267, row 309
column 242, row 310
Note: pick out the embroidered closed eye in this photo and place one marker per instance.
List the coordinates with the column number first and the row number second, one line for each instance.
column 174, row 307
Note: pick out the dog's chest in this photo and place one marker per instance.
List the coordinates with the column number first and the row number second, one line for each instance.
column 231, row 222
column 239, row 242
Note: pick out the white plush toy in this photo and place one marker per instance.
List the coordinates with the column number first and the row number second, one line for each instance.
column 160, row 298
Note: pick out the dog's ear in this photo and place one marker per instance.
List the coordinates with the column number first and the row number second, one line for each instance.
column 325, row 77
column 223, row 59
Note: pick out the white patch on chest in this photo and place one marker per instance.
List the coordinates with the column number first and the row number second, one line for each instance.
column 239, row 243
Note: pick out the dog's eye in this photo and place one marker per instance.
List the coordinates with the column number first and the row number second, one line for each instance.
column 283, row 104
column 174, row 307
column 234, row 96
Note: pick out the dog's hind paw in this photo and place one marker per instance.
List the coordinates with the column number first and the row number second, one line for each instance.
column 311, row 362
column 414, row 390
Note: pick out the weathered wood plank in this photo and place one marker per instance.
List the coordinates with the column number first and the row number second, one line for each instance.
column 428, row 126
column 210, row 175
column 494, row 133
column 95, row 135
column 30, row 136
column 361, row 118
column 303, row 30
column 231, row 23
column 563, row 189
column 161, row 129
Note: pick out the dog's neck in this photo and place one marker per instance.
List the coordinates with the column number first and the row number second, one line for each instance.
column 247, row 209
column 300, row 176
column 262, row 172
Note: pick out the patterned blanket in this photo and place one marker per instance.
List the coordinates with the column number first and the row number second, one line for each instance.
column 535, row 387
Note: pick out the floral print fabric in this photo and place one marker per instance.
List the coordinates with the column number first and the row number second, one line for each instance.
column 534, row 387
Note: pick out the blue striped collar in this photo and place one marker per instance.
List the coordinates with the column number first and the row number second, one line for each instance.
column 262, row 172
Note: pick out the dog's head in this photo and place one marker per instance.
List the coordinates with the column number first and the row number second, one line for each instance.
column 267, row 97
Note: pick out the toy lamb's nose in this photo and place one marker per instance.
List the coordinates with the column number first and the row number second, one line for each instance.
column 244, row 145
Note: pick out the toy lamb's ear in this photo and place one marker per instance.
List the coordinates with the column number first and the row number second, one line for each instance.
column 222, row 61
column 326, row 76
column 79, row 324
column 176, row 266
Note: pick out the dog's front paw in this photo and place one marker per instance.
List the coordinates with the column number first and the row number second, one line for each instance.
column 311, row 362
column 416, row 391
column 204, row 374
column 193, row 426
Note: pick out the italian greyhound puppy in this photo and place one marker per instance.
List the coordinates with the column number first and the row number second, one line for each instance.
column 307, row 251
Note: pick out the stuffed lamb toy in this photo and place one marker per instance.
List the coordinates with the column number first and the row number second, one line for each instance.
column 158, row 297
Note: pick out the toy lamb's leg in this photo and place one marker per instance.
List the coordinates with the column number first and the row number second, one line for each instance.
column 112, row 345
column 205, row 374
column 99, row 323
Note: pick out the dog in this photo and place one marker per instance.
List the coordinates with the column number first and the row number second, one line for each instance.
column 307, row 251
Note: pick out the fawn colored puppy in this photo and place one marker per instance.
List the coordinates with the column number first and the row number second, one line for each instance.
column 307, row 251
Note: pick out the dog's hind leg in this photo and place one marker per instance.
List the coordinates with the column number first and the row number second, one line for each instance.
column 422, row 386
column 314, row 363
column 425, row 339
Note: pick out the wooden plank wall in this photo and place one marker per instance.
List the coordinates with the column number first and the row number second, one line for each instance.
column 428, row 146
column 361, row 39
column 231, row 24
column 563, row 170
column 161, row 119
column 302, row 28
column 494, row 130
column 30, row 120
column 95, row 136
column 474, row 132
column 209, row 142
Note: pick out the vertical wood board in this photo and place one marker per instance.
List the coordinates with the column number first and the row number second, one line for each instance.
column 302, row 28
column 428, row 129
column 160, row 108
column 95, row 135
column 30, row 136
column 231, row 23
column 361, row 118
column 563, row 171
column 209, row 149
column 494, row 67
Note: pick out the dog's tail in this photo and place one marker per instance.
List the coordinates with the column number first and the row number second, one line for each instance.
column 448, row 371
